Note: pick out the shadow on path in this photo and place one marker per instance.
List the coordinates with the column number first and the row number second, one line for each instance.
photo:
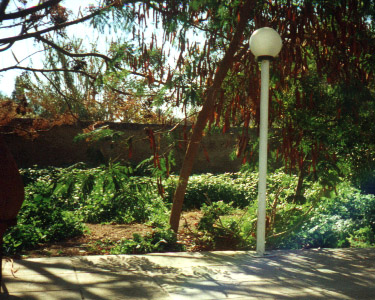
column 302, row 274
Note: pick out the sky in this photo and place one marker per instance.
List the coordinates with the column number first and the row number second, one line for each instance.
column 21, row 50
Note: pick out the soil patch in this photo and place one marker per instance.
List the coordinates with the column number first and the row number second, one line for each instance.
column 99, row 238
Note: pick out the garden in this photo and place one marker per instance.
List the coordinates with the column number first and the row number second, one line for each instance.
column 62, row 204
column 187, row 66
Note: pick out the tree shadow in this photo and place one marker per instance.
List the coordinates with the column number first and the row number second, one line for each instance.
column 340, row 273
column 107, row 279
column 302, row 274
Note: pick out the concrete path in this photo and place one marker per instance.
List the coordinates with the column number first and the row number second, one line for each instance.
column 303, row 274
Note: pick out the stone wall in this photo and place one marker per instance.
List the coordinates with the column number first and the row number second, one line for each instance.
column 55, row 147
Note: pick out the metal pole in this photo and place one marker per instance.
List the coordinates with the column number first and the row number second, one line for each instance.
column 263, row 136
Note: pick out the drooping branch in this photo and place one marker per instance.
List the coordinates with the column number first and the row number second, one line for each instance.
column 30, row 55
column 99, row 55
column 67, row 53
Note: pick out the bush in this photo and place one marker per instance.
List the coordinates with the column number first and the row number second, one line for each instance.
column 101, row 195
column 237, row 187
column 362, row 238
column 223, row 227
column 113, row 197
column 124, row 206
column 342, row 220
column 161, row 240
column 59, row 200
column 227, row 226
column 40, row 220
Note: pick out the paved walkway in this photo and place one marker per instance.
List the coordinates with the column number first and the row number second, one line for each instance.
column 303, row 274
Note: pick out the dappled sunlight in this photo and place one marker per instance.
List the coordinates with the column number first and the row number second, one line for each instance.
column 299, row 274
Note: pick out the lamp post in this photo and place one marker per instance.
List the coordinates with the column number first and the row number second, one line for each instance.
column 265, row 44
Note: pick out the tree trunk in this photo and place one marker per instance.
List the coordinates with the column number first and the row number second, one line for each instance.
column 207, row 110
column 11, row 192
column 1, row 263
column 301, row 177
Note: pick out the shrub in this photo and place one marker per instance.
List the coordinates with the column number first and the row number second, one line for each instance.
column 161, row 240
column 40, row 220
column 342, row 220
column 59, row 200
column 223, row 227
column 362, row 238
column 125, row 206
column 226, row 226
column 101, row 195
column 227, row 187
column 116, row 198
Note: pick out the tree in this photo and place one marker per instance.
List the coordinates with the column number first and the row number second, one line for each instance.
column 92, row 95
column 90, row 85
column 45, row 17
column 11, row 196
column 39, row 22
column 310, row 30
column 327, row 50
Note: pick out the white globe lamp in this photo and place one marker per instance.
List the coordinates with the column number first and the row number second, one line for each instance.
column 265, row 44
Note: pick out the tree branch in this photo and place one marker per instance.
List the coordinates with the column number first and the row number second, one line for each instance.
column 120, row 92
column 56, row 27
column 63, row 70
column 67, row 53
column 31, row 55
column 29, row 11
column 3, row 6
column 7, row 47
column 63, row 96
column 47, row 71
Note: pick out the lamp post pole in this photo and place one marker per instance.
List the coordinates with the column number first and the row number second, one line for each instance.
column 263, row 142
column 265, row 44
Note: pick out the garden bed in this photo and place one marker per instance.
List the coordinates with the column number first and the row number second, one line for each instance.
column 109, row 210
column 99, row 238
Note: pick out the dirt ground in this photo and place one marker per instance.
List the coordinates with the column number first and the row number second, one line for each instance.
column 99, row 238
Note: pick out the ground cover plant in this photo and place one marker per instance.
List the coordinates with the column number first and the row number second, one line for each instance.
column 60, row 202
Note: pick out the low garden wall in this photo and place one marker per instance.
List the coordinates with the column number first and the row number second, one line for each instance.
column 55, row 147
